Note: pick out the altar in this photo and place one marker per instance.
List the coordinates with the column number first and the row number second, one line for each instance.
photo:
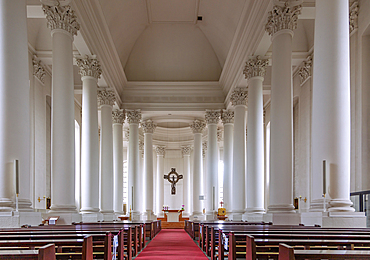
column 173, row 215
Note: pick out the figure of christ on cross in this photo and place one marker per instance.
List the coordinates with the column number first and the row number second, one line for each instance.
column 173, row 177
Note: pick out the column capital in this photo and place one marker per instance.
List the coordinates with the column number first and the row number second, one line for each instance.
column 227, row 116
column 204, row 149
column 160, row 150
column 255, row 67
column 106, row 97
column 89, row 66
column 148, row 126
column 305, row 69
column 197, row 126
column 239, row 96
column 212, row 116
column 133, row 116
column 353, row 16
column 118, row 116
column 283, row 17
column 219, row 135
column 185, row 150
column 38, row 69
column 61, row 17
column 141, row 148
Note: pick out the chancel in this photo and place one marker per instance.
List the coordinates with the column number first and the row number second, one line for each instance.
column 173, row 177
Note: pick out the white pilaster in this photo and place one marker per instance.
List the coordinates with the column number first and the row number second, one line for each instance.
column 227, row 117
column 148, row 127
column 106, row 100
column 185, row 150
column 254, row 72
column 118, row 118
column 212, row 118
column 160, row 150
column 197, row 127
column 63, row 24
column 90, row 72
column 282, row 21
column 239, row 100
column 134, row 180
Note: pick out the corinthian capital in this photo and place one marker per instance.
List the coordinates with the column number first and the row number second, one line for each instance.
column 227, row 117
column 197, row 126
column 212, row 116
column 255, row 67
column 353, row 16
column 61, row 17
column 239, row 96
column 185, row 150
column 283, row 17
column 118, row 116
column 89, row 66
column 148, row 126
column 106, row 97
column 133, row 116
column 160, row 150
column 305, row 69
column 38, row 70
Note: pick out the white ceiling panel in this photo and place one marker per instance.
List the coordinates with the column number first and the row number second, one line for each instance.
column 172, row 11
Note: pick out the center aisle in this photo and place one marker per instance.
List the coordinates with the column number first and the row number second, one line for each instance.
column 172, row 244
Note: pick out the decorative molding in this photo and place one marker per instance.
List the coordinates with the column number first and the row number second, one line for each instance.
column 148, row 126
column 160, row 150
column 185, row 150
column 141, row 148
column 89, row 66
column 353, row 17
column 283, row 18
column 126, row 130
column 204, row 149
column 305, row 69
column 106, row 97
column 239, row 96
column 61, row 17
column 219, row 135
column 118, row 116
column 133, row 116
column 227, row 116
column 212, row 116
column 197, row 126
column 255, row 67
column 38, row 70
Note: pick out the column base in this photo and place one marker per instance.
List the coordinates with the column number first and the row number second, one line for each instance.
column 278, row 218
column 253, row 217
column 15, row 219
column 136, row 215
column 91, row 217
column 236, row 215
column 107, row 216
column 211, row 216
column 148, row 215
column 65, row 218
column 344, row 219
column 63, row 209
column 197, row 216
column 281, row 208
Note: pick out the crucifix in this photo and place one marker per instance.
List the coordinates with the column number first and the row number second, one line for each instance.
column 173, row 177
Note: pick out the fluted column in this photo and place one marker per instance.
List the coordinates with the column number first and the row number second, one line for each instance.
column 90, row 72
column 255, row 71
column 118, row 118
column 185, row 150
column 212, row 118
column 106, row 100
column 63, row 24
column 331, row 104
column 15, row 104
column 282, row 21
column 148, row 127
column 160, row 150
column 135, row 193
column 227, row 117
column 197, row 127
column 239, row 100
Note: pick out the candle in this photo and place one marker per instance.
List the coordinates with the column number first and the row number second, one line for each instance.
column 16, row 170
column 324, row 177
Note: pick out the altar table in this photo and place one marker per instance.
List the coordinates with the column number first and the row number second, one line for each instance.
column 173, row 215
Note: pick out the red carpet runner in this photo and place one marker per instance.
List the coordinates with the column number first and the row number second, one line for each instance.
column 174, row 244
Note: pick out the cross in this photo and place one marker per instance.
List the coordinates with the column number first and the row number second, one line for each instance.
column 173, row 177
column 221, row 203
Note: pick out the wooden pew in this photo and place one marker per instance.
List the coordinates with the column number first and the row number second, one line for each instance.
column 46, row 252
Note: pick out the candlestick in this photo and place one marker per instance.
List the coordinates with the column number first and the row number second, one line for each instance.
column 324, row 176
column 16, row 171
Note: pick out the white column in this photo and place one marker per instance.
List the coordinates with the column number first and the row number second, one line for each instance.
column 212, row 118
column 197, row 127
column 160, row 150
column 185, row 150
column 118, row 118
column 90, row 73
column 134, row 180
column 63, row 25
column 254, row 72
column 239, row 100
column 281, row 23
column 15, row 93
column 331, row 104
column 148, row 127
column 106, row 100
column 227, row 117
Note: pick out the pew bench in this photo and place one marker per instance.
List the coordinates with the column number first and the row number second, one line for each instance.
column 46, row 252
